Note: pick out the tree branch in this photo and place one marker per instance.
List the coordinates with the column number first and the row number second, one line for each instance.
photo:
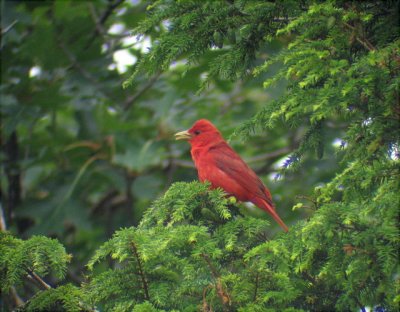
column 99, row 22
column 256, row 287
column 75, row 64
column 41, row 283
column 145, row 284
column 8, row 28
column 222, row 294
column 38, row 280
column 14, row 294
column 363, row 41
column 111, row 7
column 105, row 201
column 99, row 27
column 271, row 155
column 131, row 99
column 206, row 307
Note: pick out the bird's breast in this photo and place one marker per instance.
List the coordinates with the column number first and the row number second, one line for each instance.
column 203, row 162
column 199, row 156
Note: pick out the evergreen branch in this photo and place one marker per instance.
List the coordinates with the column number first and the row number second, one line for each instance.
column 213, row 270
column 222, row 294
column 36, row 278
column 206, row 307
column 311, row 199
column 14, row 294
column 256, row 285
column 141, row 272
column 364, row 41
column 360, row 305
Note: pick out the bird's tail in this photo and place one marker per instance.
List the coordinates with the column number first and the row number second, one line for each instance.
column 271, row 210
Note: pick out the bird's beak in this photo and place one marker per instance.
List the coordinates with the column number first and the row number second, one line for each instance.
column 183, row 135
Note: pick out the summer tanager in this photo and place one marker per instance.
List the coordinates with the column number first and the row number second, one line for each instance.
column 218, row 163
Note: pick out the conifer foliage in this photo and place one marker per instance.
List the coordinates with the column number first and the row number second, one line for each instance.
column 194, row 249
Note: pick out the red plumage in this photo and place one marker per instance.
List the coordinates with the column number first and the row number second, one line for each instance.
column 219, row 164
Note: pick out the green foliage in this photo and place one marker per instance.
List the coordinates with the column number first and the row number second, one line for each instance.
column 336, row 261
column 334, row 73
column 192, row 249
column 187, row 203
column 183, row 254
column 63, row 298
column 194, row 27
column 19, row 258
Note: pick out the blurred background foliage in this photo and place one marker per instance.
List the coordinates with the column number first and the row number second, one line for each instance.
column 82, row 157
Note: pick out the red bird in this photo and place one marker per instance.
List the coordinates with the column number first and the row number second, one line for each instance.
column 219, row 164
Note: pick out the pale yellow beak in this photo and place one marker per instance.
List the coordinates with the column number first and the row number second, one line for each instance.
column 183, row 135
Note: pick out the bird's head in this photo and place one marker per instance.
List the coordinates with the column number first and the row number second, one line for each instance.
column 203, row 132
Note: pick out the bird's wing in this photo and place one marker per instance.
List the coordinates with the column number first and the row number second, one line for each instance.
column 230, row 163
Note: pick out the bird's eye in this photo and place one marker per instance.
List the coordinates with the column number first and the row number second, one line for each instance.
column 197, row 132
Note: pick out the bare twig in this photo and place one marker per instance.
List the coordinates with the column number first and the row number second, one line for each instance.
column 42, row 284
column 271, row 155
column 111, row 7
column 131, row 99
column 105, row 201
column 99, row 27
column 312, row 200
column 99, row 22
column 78, row 66
column 363, row 41
column 38, row 280
column 8, row 28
